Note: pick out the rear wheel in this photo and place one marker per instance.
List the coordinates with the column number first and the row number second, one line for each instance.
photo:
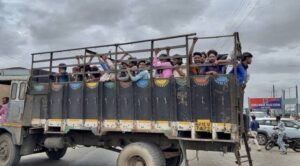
column 262, row 139
column 56, row 154
column 269, row 145
column 9, row 153
column 141, row 154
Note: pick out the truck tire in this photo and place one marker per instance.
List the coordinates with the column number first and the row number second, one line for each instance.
column 9, row 152
column 56, row 154
column 142, row 153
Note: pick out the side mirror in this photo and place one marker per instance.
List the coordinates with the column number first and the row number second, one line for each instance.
column 296, row 126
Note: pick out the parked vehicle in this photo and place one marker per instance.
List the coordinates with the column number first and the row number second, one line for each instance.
column 265, row 131
column 153, row 121
column 293, row 143
column 258, row 114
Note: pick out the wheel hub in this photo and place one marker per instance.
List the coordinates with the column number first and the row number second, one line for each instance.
column 136, row 161
column 4, row 151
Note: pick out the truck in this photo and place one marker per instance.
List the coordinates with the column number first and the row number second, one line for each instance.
column 150, row 122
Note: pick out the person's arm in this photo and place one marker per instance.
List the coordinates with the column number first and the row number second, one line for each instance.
column 211, row 73
column 78, row 60
column 137, row 77
column 155, row 59
column 125, row 54
column 180, row 72
column 192, row 50
column 168, row 51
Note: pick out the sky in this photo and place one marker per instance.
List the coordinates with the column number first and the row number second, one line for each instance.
column 268, row 29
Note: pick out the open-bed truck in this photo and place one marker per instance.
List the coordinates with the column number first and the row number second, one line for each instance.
column 150, row 122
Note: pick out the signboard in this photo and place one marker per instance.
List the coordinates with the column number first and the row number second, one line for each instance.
column 265, row 103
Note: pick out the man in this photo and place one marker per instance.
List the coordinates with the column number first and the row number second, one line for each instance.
column 243, row 67
column 196, row 58
column 254, row 126
column 4, row 109
column 214, row 69
column 63, row 76
column 281, row 128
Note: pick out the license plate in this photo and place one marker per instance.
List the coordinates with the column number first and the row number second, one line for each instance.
column 203, row 125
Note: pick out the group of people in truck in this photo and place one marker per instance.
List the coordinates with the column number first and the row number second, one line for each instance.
column 164, row 65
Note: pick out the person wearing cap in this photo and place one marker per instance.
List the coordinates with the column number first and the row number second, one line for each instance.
column 243, row 67
column 63, row 76
column 167, row 71
column 254, row 126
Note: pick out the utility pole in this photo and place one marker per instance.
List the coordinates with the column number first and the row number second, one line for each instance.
column 273, row 91
column 297, row 103
column 283, row 101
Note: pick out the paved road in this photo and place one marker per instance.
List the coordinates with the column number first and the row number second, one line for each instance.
column 101, row 157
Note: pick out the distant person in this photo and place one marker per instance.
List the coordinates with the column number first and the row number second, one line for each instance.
column 4, row 109
column 268, row 113
column 254, row 126
column 196, row 58
column 142, row 73
column 280, row 128
column 163, row 62
column 63, row 75
column 242, row 69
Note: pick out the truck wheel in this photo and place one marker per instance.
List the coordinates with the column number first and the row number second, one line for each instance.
column 141, row 153
column 56, row 154
column 9, row 153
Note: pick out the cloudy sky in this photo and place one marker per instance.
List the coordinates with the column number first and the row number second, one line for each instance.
column 270, row 29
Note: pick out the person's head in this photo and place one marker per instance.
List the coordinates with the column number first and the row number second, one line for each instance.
column 247, row 58
column 212, row 56
column 62, row 68
column 278, row 118
column 5, row 100
column 142, row 64
column 133, row 61
column 176, row 60
column 199, row 57
column 268, row 112
column 95, row 69
column 253, row 117
column 104, row 56
column 163, row 58
column 125, row 65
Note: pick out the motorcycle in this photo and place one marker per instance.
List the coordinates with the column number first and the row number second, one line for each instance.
column 293, row 143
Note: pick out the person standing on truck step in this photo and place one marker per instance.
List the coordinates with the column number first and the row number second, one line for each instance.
column 281, row 128
column 142, row 73
column 254, row 126
column 196, row 58
column 4, row 109
column 163, row 62
column 242, row 68
column 63, row 76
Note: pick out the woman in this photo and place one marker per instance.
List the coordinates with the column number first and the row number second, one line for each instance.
column 162, row 62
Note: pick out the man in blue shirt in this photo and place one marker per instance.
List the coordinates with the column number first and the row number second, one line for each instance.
column 63, row 76
column 242, row 68
column 254, row 126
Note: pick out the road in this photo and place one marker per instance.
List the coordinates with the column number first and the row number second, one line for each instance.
column 101, row 157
